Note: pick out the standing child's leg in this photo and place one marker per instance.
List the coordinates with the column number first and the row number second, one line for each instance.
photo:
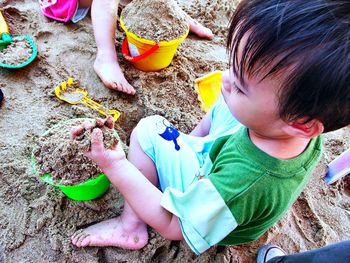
column 104, row 21
column 128, row 230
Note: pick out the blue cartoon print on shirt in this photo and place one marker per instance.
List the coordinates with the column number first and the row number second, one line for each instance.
column 168, row 132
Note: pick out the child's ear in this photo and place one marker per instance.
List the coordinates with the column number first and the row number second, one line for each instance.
column 306, row 130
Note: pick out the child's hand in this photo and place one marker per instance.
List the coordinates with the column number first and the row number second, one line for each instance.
column 104, row 158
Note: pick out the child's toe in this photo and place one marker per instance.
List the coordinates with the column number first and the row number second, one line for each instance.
column 82, row 239
column 85, row 241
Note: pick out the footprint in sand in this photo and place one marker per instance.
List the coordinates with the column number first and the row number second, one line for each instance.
column 15, row 19
column 307, row 222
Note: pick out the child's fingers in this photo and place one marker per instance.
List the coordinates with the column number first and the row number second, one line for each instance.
column 88, row 126
column 109, row 122
column 79, row 130
column 76, row 131
column 97, row 141
column 100, row 123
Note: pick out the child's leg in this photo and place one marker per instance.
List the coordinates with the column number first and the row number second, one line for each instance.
column 104, row 21
column 128, row 230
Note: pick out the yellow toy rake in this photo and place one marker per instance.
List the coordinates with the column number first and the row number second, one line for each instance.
column 71, row 92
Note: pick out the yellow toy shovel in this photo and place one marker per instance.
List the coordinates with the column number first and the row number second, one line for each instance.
column 208, row 88
column 71, row 92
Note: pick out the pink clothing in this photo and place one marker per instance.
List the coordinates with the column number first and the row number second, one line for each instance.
column 62, row 11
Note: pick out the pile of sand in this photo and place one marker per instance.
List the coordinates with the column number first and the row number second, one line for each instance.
column 18, row 52
column 157, row 20
column 56, row 153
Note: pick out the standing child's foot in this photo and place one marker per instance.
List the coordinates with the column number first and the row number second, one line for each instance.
column 113, row 232
column 111, row 75
column 199, row 29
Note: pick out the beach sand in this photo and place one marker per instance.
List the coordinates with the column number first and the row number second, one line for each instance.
column 36, row 220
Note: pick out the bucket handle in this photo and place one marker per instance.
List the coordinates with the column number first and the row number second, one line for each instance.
column 126, row 54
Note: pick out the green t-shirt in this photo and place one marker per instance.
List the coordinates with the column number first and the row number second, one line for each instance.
column 256, row 187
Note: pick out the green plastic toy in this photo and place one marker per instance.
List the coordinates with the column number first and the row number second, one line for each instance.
column 88, row 190
column 6, row 39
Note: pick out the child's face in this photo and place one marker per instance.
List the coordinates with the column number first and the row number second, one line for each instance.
column 255, row 104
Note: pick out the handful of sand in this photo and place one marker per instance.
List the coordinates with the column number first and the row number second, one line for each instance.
column 63, row 158
column 157, row 20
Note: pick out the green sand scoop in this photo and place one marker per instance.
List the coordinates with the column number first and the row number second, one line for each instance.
column 88, row 190
column 6, row 40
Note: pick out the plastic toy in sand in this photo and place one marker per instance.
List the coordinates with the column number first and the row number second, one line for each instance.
column 70, row 91
column 61, row 162
column 89, row 190
column 153, row 33
column 148, row 55
column 15, row 52
column 208, row 88
column 338, row 168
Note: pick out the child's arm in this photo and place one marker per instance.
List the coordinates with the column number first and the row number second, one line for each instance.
column 203, row 127
column 138, row 191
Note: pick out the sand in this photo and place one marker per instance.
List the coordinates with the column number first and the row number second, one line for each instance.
column 157, row 20
column 36, row 220
column 63, row 158
column 17, row 52
column 71, row 94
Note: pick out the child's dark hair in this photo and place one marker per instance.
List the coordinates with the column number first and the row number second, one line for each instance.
column 309, row 37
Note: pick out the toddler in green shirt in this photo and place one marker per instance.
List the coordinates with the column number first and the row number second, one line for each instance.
column 251, row 155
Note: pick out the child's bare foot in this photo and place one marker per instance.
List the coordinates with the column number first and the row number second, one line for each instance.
column 199, row 29
column 111, row 75
column 113, row 232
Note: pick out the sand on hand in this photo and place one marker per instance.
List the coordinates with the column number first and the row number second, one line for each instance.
column 157, row 20
column 16, row 53
column 57, row 154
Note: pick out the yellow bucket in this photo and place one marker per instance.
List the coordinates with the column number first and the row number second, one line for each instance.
column 208, row 88
column 148, row 55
